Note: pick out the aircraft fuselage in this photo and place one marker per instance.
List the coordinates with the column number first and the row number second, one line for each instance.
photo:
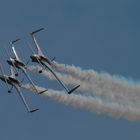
column 14, row 81
column 10, row 80
column 41, row 59
column 15, row 63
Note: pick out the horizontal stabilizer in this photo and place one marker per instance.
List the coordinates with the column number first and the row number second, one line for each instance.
column 72, row 90
column 37, row 31
column 31, row 111
column 43, row 91
column 12, row 42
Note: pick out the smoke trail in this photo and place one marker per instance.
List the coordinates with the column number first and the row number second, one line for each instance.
column 91, row 104
column 102, row 86
column 90, row 75
column 111, row 94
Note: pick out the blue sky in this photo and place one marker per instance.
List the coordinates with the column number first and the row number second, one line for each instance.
column 100, row 35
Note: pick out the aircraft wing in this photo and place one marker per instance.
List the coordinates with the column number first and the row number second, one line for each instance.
column 68, row 91
column 31, row 82
column 23, row 100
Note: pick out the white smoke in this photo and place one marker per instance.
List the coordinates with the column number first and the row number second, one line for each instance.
column 91, row 104
column 101, row 93
column 103, row 86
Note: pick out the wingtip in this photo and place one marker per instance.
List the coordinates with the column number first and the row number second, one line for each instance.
column 14, row 41
column 34, row 110
column 43, row 91
column 72, row 90
column 38, row 30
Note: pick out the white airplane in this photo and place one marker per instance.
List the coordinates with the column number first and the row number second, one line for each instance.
column 11, row 80
column 45, row 62
column 17, row 63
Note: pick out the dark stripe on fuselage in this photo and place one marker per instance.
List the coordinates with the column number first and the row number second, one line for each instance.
column 41, row 59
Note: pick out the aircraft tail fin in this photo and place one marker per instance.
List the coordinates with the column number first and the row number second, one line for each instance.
column 38, row 30
column 31, row 111
column 72, row 90
column 13, row 48
column 35, row 41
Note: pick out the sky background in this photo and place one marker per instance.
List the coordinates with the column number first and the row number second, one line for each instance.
column 103, row 35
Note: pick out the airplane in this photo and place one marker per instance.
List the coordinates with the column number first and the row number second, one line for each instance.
column 11, row 80
column 17, row 63
column 45, row 62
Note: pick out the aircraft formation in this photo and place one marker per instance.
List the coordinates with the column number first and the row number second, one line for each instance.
column 16, row 65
